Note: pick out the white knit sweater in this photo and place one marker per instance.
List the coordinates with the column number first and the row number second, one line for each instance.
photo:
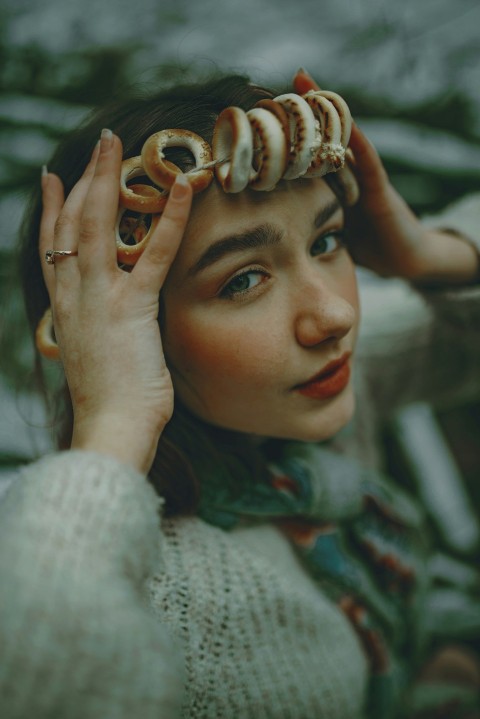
column 107, row 611
column 88, row 635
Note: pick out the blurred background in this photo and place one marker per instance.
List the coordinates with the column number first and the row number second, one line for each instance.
column 409, row 70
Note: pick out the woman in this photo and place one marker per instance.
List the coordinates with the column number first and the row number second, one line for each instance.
column 258, row 594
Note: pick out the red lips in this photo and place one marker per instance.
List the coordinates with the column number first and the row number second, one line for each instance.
column 332, row 379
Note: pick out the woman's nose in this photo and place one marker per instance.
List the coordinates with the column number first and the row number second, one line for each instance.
column 322, row 313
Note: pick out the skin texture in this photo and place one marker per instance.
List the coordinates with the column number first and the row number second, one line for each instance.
column 236, row 358
column 388, row 238
column 106, row 320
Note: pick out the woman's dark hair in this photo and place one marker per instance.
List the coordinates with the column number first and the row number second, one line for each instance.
column 133, row 118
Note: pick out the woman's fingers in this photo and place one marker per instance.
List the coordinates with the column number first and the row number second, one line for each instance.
column 303, row 82
column 368, row 165
column 152, row 267
column 85, row 223
column 96, row 247
column 76, row 197
column 66, row 227
column 52, row 201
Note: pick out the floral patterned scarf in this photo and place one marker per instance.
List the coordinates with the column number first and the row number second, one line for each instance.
column 361, row 538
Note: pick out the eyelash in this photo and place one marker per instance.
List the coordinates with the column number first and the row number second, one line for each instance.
column 339, row 236
column 229, row 293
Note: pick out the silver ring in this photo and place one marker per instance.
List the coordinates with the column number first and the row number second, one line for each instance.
column 51, row 254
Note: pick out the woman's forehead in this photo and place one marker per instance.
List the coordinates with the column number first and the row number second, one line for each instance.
column 216, row 213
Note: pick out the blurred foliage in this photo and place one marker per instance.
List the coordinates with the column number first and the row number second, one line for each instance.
column 44, row 94
column 78, row 78
column 451, row 111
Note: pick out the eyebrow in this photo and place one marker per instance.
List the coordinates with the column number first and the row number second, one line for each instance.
column 265, row 235
column 327, row 212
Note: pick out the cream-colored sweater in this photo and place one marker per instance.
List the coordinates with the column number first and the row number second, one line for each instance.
column 107, row 611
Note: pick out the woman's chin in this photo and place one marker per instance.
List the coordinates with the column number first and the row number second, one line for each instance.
column 326, row 421
column 312, row 421
column 318, row 425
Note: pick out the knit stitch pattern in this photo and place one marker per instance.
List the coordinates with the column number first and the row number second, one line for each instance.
column 79, row 536
column 274, row 649
column 106, row 611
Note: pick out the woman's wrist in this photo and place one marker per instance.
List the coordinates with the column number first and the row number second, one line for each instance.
column 470, row 249
column 457, row 259
column 120, row 436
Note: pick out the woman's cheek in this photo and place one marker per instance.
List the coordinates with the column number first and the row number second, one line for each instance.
column 348, row 288
column 207, row 350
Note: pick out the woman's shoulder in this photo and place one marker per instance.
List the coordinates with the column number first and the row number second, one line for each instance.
column 83, row 510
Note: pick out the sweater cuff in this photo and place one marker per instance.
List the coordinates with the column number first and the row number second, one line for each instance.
column 84, row 507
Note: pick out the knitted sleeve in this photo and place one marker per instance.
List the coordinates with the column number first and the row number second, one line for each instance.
column 79, row 536
column 419, row 344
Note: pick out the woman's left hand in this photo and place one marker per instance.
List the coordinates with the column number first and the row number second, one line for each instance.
column 384, row 235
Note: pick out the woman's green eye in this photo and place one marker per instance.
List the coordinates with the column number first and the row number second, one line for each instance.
column 242, row 283
column 327, row 243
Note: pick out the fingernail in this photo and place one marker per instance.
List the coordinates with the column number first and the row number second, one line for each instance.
column 179, row 189
column 106, row 139
column 44, row 178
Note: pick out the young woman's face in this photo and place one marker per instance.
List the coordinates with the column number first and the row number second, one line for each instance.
column 261, row 298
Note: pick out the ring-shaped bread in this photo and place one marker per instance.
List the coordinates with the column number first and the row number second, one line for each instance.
column 270, row 153
column 344, row 182
column 44, row 337
column 277, row 109
column 162, row 172
column 129, row 254
column 232, row 149
column 343, row 112
column 330, row 156
column 302, row 134
column 139, row 198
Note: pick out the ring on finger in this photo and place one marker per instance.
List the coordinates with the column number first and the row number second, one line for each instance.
column 50, row 255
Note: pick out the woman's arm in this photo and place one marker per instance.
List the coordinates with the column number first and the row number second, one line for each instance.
column 80, row 530
column 105, row 318
column 79, row 535
column 420, row 338
column 419, row 345
column 385, row 236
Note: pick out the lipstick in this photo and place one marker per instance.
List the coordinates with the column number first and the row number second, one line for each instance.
column 329, row 382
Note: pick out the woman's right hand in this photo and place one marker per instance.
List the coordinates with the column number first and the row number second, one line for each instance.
column 105, row 319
